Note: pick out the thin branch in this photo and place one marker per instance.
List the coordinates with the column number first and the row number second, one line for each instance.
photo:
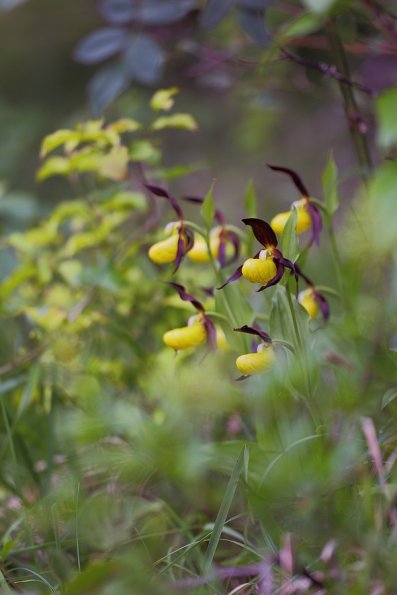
column 327, row 70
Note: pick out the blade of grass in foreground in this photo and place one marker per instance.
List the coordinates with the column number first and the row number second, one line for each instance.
column 223, row 511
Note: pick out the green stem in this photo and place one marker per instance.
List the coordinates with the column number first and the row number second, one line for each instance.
column 302, row 358
column 336, row 260
column 294, row 321
column 352, row 111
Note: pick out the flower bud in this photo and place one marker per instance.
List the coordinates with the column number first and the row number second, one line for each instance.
column 256, row 363
column 307, row 299
column 186, row 336
column 259, row 270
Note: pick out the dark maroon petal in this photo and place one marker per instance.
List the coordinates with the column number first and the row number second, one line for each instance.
column 186, row 297
column 291, row 266
column 181, row 250
column 158, row 191
column 189, row 236
column 236, row 275
column 211, row 333
column 273, row 281
column 262, row 231
column 208, row 291
column 235, row 241
column 317, row 223
column 276, row 278
column 323, row 304
column 293, row 175
column 240, row 378
column 302, row 274
column 254, row 330
column 222, row 249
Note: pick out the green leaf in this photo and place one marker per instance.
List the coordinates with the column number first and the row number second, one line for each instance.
column 330, row 185
column 124, row 125
column 4, row 588
column 303, row 25
column 223, row 511
column 232, row 304
column 163, row 99
column 207, row 210
column 54, row 166
column 114, row 165
column 386, row 110
column 388, row 397
column 144, row 150
column 289, row 237
column 56, row 139
column 183, row 121
column 33, row 380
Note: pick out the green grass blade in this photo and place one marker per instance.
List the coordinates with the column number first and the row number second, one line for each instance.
column 223, row 512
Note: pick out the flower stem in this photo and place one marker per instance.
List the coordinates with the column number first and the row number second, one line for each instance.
column 302, row 358
column 355, row 121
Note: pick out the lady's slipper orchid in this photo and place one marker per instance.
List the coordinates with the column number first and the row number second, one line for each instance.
column 174, row 248
column 224, row 243
column 307, row 213
column 267, row 266
column 188, row 336
column 258, row 361
column 166, row 251
column 198, row 330
column 312, row 300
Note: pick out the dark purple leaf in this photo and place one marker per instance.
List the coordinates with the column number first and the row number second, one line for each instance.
column 262, row 231
column 100, row 45
column 316, row 223
column 117, row 12
column 254, row 4
column 254, row 330
column 214, row 11
column 162, row 12
column 144, row 60
column 253, row 23
column 106, row 85
column 146, row 12
column 186, row 297
column 236, row 275
column 294, row 176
